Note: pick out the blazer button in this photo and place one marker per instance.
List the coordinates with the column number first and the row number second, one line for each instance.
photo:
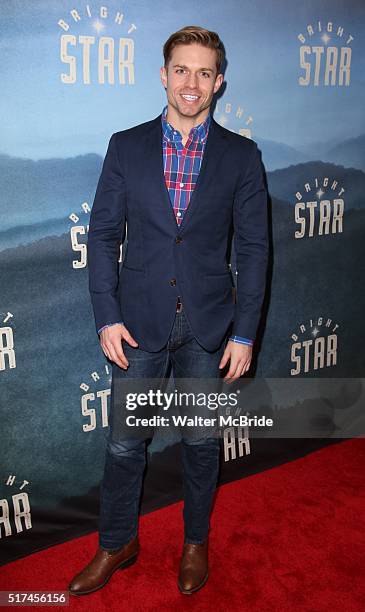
column 173, row 282
column 178, row 239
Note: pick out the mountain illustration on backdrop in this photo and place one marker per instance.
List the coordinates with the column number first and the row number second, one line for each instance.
column 54, row 188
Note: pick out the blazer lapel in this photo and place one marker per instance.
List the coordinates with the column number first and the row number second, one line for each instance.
column 156, row 168
column 215, row 148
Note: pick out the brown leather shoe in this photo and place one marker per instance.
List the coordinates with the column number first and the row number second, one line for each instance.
column 97, row 573
column 193, row 572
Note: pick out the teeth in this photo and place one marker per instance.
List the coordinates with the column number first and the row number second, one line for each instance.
column 187, row 97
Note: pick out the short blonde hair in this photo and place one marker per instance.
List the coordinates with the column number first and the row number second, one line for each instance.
column 195, row 34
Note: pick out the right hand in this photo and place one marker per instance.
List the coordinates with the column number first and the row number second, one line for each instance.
column 111, row 342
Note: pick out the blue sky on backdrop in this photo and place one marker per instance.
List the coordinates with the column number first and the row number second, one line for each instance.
column 42, row 117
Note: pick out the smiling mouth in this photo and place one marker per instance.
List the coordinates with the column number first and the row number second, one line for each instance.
column 190, row 98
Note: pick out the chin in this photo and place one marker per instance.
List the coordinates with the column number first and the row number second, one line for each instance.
column 189, row 111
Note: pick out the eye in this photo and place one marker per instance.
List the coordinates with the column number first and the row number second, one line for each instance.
column 179, row 70
column 206, row 74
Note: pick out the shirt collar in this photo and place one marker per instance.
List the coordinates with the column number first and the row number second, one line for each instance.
column 198, row 133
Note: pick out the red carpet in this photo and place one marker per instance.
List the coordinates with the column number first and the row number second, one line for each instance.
column 291, row 538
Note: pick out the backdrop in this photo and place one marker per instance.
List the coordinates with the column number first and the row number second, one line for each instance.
column 72, row 74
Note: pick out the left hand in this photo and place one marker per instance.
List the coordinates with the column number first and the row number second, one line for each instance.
column 240, row 356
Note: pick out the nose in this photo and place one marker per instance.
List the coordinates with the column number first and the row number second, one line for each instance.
column 192, row 80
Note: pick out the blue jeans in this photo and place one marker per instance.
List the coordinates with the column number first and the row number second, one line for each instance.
column 125, row 458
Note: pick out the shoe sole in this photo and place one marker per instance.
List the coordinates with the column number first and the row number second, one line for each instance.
column 195, row 589
column 122, row 566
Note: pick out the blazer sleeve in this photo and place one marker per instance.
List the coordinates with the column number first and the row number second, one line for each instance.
column 250, row 221
column 106, row 232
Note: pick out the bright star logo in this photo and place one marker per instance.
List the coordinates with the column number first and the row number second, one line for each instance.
column 310, row 354
column 319, row 208
column 91, row 55
column 228, row 115
column 325, row 54
column 98, row 26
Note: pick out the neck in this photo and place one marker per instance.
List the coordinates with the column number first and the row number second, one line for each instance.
column 184, row 124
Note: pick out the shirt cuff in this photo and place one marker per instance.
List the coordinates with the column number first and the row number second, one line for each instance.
column 241, row 340
column 109, row 325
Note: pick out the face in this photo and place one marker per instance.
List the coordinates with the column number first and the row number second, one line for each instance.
column 191, row 79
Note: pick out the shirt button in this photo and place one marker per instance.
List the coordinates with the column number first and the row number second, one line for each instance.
column 178, row 214
column 182, row 184
column 173, row 282
column 178, row 239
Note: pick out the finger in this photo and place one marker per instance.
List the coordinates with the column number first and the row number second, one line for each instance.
column 234, row 371
column 237, row 375
column 127, row 336
column 105, row 351
column 246, row 367
column 117, row 355
column 224, row 359
column 104, row 348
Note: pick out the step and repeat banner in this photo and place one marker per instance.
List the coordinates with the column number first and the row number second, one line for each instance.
column 74, row 72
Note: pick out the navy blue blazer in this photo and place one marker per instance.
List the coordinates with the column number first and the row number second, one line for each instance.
column 164, row 260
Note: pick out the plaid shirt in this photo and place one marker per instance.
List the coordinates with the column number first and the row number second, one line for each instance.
column 181, row 168
column 182, row 162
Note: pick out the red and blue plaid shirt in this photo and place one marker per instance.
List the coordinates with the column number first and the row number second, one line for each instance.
column 182, row 162
column 181, row 167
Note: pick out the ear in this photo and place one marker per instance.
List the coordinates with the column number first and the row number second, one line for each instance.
column 218, row 82
column 163, row 76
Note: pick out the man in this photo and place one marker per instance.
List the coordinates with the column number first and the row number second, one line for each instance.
column 180, row 182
